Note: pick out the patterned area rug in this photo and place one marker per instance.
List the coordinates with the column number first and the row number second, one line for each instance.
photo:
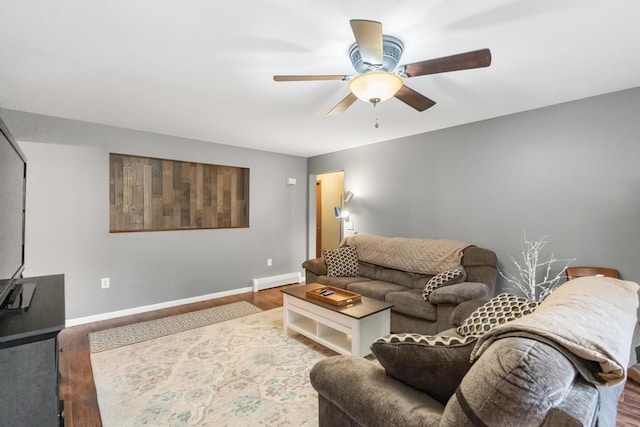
column 144, row 331
column 242, row 372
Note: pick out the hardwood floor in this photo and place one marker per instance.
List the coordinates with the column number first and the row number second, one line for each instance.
column 77, row 388
column 629, row 405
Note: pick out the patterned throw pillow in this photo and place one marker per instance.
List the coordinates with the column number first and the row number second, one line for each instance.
column 341, row 262
column 449, row 277
column 498, row 310
column 434, row 364
column 432, row 340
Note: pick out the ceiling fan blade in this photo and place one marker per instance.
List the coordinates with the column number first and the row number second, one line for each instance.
column 310, row 78
column 414, row 99
column 343, row 105
column 463, row 61
column 368, row 36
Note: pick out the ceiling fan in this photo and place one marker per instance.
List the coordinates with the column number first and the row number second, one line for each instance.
column 375, row 57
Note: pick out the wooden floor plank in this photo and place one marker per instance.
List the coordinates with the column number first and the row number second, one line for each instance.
column 77, row 387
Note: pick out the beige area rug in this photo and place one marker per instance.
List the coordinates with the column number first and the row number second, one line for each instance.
column 109, row 339
column 241, row 372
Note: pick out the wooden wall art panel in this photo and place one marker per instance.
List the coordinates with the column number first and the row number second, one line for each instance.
column 148, row 194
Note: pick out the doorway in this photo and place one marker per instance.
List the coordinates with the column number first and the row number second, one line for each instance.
column 328, row 229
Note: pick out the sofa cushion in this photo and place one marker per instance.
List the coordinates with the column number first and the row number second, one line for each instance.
column 464, row 310
column 448, row 277
column 317, row 266
column 517, row 379
column 366, row 396
column 480, row 265
column 374, row 288
column 398, row 277
column 421, row 281
column 460, row 292
column 340, row 282
column 433, row 364
column 341, row 262
column 367, row 270
column 498, row 310
column 410, row 302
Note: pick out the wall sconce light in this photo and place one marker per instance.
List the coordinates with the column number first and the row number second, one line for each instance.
column 348, row 196
column 339, row 211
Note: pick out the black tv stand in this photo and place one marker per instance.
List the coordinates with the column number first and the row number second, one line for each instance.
column 29, row 394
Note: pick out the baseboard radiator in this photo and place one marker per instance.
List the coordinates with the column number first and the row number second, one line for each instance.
column 273, row 281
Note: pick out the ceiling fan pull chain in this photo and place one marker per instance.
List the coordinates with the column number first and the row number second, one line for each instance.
column 376, row 125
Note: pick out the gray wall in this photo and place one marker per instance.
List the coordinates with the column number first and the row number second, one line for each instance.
column 569, row 171
column 68, row 218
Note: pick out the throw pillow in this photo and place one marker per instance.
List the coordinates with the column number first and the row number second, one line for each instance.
column 341, row 262
column 433, row 364
column 496, row 311
column 449, row 277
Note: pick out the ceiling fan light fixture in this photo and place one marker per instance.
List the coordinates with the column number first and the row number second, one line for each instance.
column 375, row 87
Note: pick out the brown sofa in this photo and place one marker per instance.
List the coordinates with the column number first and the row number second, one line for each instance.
column 539, row 370
column 396, row 270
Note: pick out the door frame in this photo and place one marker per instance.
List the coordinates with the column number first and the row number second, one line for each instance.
column 318, row 218
column 311, row 214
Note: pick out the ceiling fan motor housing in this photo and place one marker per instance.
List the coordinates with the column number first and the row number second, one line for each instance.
column 392, row 49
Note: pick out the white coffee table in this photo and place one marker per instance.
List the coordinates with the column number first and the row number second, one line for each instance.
column 347, row 330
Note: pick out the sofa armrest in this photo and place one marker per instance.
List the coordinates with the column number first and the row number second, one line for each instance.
column 459, row 293
column 316, row 266
column 366, row 394
column 464, row 310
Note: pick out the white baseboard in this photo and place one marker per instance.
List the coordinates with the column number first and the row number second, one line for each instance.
column 273, row 281
column 143, row 309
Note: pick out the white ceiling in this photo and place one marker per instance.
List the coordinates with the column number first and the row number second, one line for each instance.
column 203, row 69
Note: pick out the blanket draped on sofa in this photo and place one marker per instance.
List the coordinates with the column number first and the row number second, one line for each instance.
column 424, row 256
column 560, row 319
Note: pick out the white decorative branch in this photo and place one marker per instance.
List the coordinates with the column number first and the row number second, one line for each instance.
column 526, row 279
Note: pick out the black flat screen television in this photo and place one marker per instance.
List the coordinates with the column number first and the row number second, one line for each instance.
column 13, row 175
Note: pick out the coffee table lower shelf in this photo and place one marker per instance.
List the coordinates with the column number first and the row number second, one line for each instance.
column 337, row 331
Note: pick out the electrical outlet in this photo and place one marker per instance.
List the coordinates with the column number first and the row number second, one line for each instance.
column 269, row 262
column 104, row 282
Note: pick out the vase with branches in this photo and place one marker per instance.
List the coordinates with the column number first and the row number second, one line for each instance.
column 536, row 277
